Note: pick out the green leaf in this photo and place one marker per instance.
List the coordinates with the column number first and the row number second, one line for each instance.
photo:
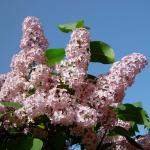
column 134, row 143
column 37, row 144
column 3, row 145
column 145, row 119
column 101, row 52
column 2, row 114
column 117, row 130
column 25, row 143
column 57, row 138
column 96, row 127
column 133, row 129
column 54, row 56
column 41, row 125
column 90, row 76
column 138, row 104
column 31, row 92
column 129, row 112
column 105, row 146
column 15, row 105
column 75, row 140
column 69, row 27
column 134, row 113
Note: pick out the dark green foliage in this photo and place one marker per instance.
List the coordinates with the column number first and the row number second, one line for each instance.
column 134, row 113
column 15, row 105
column 24, row 143
column 101, row 52
column 123, row 132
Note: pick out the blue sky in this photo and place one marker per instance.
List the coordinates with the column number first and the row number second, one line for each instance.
column 125, row 25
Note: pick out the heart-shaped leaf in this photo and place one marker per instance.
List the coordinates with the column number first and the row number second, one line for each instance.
column 101, row 52
column 54, row 56
column 133, row 112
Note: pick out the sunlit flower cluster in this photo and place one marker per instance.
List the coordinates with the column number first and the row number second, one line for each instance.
column 64, row 93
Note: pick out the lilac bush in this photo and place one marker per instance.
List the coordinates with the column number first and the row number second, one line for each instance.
column 64, row 94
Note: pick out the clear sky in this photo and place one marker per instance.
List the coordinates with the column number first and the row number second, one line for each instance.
column 124, row 24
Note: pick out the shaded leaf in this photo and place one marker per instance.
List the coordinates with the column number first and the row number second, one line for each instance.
column 101, row 52
column 54, row 56
column 134, row 143
column 31, row 92
column 41, row 125
column 105, row 146
column 130, row 112
column 41, row 122
column 2, row 114
column 96, row 127
column 75, row 140
column 117, row 130
column 57, row 138
column 133, row 129
column 89, row 76
column 25, row 143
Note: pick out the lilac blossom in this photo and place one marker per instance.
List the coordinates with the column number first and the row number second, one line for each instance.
column 2, row 79
column 110, row 88
column 73, row 70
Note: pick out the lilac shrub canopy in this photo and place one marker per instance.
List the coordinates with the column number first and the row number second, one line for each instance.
column 63, row 92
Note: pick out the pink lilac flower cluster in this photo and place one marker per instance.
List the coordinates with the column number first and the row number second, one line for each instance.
column 2, row 79
column 74, row 69
column 64, row 93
